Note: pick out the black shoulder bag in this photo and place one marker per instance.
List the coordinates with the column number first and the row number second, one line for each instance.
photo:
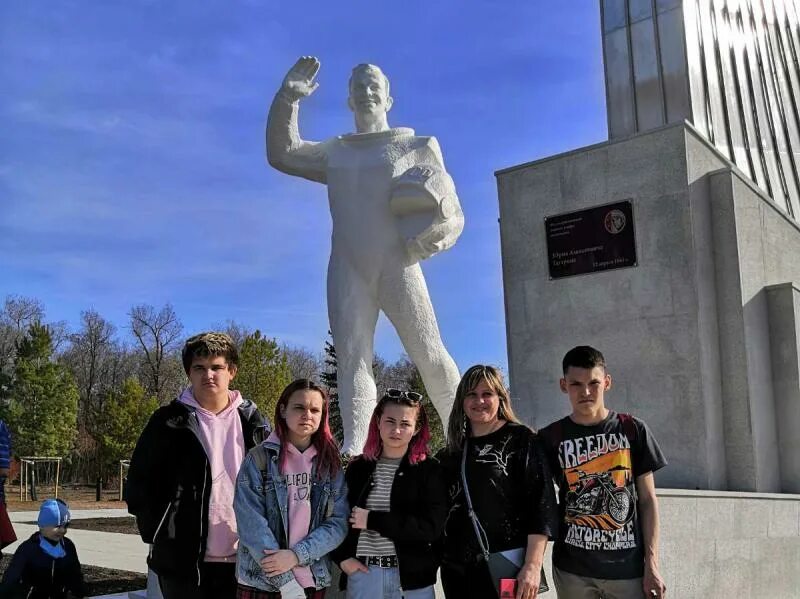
column 501, row 564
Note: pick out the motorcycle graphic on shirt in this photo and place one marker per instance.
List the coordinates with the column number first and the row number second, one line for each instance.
column 600, row 499
column 596, row 494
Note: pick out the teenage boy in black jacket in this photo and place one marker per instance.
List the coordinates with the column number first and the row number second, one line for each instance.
column 182, row 474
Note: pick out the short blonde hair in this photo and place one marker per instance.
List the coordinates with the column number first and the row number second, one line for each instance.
column 457, row 424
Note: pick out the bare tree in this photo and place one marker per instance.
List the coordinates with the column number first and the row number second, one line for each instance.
column 158, row 335
column 303, row 364
column 235, row 330
column 381, row 370
column 21, row 312
column 17, row 314
column 90, row 357
column 59, row 331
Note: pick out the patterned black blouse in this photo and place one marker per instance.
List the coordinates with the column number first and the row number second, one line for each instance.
column 511, row 489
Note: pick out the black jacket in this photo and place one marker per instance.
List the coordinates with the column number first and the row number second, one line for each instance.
column 169, row 486
column 35, row 574
column 511, row 490
column 418, row 509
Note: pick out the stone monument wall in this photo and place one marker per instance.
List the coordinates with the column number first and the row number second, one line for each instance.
column 687, row 330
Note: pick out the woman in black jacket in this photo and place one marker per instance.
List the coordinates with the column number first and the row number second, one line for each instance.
column 509, row 485
column 399, row 506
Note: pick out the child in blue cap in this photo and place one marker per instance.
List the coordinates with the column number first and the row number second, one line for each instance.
column 46, row 566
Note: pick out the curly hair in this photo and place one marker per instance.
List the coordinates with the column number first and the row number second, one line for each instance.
column 209, row 345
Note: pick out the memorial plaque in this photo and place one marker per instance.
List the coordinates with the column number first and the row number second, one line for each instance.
column 591, row 240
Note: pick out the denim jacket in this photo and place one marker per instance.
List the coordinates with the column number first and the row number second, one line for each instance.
column 261, row 506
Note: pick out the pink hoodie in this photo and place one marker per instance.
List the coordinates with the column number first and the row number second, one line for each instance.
column 223, row 440
column 298, row 483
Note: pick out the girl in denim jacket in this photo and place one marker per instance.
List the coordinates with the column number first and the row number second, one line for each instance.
column 291, row 502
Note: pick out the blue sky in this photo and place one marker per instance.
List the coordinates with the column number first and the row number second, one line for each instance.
column 132, row 157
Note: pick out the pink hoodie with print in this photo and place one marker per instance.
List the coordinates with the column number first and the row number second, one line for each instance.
column 222, row 438
column 298, row 486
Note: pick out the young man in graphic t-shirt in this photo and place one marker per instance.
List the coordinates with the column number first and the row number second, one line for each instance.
column 603, row 463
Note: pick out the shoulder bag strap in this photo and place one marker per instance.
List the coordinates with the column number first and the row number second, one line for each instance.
column 480, row 533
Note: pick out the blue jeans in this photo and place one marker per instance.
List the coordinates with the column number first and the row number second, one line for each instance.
column 382, row 583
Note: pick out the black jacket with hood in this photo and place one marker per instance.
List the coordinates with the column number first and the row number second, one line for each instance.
column 169, row 485
column 414, row 522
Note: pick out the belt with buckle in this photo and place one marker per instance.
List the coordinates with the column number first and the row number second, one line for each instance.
column 380, row 561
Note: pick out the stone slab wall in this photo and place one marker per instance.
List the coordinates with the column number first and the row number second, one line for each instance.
column 730, row 544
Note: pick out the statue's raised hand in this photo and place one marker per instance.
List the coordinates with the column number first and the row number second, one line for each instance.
column 299, row 81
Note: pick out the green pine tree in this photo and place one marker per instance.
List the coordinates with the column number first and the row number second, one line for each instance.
column 329, row 378
column 44, row 398
column 126, row 413
column 413, row 382
column 263, row 372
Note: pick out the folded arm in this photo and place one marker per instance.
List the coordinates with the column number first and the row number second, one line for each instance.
column 250, row 507
column 425, row 523
column 332, row 529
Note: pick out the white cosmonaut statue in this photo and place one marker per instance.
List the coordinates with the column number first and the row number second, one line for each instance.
column 392, row 204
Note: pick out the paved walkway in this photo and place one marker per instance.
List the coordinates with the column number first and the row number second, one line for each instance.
column 104, row 549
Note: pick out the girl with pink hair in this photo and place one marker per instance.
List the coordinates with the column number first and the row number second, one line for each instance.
column 399, row 505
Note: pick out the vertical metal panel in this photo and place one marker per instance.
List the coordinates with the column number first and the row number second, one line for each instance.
column 665, row 5
column 649, row 97
column 792, row 40
column 759, row 99
column 640, row 9
column 746, row 106
column 793, row 26
column 614, row 15
column 789, row 90
column 719, row 134
column 695, row 67
column 674, row 66
column 619, row 87
column 781, row 191
column 793, row 35
column 729, row 90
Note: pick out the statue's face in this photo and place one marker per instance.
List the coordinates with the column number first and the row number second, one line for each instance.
column 368, row 93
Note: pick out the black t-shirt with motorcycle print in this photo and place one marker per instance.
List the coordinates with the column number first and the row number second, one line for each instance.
column 596, row 468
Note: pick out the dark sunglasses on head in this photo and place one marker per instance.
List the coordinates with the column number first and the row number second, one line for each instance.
column 400, row 394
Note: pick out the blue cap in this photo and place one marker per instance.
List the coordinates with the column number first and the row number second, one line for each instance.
column 53, row 512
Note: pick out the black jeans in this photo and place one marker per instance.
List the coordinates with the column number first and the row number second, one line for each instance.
column 217, row 581
column 467, row 581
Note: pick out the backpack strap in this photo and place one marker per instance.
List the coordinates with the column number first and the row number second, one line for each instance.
column 628, row 426
column 260, row 457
